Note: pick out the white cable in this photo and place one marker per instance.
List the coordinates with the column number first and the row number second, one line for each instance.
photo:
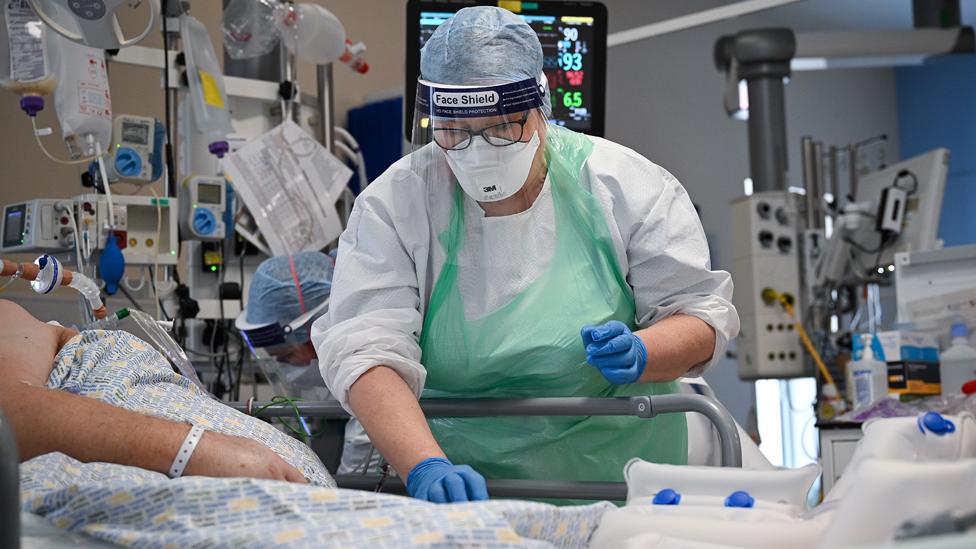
column 142, row 282
column 346, row 151
column 50, row 156
column 344, row 133
column 159, row 232
column 105, row 184
column 79, row 260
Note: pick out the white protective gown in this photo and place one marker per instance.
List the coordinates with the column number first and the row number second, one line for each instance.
column 389, row 259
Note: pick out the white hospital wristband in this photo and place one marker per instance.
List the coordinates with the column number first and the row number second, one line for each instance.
column 186, row 450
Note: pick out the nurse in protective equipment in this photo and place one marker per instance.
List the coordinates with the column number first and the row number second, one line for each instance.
column 287, row 294
column 511, row 258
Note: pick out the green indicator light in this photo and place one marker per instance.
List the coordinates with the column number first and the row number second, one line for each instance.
column 172, row 252
column 547, row 27
column 213, row 268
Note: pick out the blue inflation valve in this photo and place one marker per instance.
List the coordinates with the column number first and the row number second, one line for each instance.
column 936, row 424
column 666, row 496
column 740, row 499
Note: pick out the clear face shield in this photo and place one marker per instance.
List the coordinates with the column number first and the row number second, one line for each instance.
column 487, row 138
column 284, row 357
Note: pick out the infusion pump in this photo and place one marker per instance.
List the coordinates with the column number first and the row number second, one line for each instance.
column 203, row 201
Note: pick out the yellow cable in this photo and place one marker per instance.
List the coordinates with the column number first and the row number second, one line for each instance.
column 804, row 337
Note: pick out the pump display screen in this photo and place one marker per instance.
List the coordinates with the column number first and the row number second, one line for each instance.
column 573, row 37
column 13, row 225
column 135, row 132
column 208, row 194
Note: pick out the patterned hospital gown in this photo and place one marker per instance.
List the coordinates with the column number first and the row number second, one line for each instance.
column 139, row 508
column 119, row 368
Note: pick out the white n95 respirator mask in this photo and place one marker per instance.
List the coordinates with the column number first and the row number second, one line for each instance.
column 488, row 173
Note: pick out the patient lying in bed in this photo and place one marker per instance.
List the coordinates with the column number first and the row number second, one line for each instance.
column 107, row 396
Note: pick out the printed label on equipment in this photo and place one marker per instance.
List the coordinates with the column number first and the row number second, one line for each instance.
column 94, row 100
column 28, row 59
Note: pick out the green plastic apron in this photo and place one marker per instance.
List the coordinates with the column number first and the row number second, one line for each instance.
column 531, row 347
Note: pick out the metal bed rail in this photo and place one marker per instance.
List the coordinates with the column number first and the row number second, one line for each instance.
column 639, row 406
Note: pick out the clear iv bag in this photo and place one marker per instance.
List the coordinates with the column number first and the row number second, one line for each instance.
column 25, row 66
column 81, row 100
column 249, row 28
column 208, row 100
column 311, row 32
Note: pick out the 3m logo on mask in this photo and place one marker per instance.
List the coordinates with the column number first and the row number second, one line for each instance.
column 465, row 99
column 490, row 189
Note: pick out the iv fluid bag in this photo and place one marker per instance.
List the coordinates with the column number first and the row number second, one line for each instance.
column 249, row 28
column 81, row 100
column 311, row 32
column 25, row 67
column 208, row 101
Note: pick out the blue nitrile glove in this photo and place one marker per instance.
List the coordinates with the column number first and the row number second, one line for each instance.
column 619, row 354
column 438, row 480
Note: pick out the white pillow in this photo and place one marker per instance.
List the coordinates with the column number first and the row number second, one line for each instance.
column 776, row 486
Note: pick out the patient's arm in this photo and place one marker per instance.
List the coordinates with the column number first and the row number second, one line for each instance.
column 46, row 420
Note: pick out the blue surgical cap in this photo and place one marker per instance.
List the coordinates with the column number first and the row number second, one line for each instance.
column 481, row 46
column 273, row 296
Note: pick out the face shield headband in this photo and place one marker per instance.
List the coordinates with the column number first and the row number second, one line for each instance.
column 448, row 101
column 274, row 334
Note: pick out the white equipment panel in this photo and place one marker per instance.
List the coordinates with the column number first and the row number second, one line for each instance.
column 935, row 288
column 36, row 226
column 765, row 254
column 136, row 222
column 920, row 228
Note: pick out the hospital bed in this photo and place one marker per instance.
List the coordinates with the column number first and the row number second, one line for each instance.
column 640, row 406
column 645, row 407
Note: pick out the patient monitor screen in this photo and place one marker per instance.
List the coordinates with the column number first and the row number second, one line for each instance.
column 13, row 225
column 573, row 41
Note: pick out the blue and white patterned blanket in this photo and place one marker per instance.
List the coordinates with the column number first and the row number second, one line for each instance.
column 139, row 508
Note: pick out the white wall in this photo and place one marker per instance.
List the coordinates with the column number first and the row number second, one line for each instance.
column 664, row 100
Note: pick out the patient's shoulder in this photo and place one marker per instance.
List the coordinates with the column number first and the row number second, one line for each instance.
column 27, row 345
